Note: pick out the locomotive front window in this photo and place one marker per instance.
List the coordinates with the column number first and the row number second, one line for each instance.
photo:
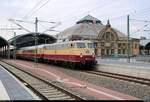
column 90, row 45
column 81, row 45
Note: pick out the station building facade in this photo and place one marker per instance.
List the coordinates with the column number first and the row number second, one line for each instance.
column 108, row 41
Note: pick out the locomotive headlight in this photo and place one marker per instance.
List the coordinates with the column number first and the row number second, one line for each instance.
column 81, row 55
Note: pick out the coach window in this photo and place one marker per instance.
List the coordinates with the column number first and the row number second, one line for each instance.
column 90, row 45
column 54, row 47
column 60, row 46
column 57, row 46
column 47, row 47
column 50, row 47
column 66, row 46
column 81, row 45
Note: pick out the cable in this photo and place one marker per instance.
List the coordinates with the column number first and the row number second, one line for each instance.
column 140, row 28
column 113, row 18
column 46, row 21
column 139, row 20
column 143, row 14
column 75, row 12
column 146, row 30
column 132, row 12
column 39, row 7
column 32, row 9
column 139, row 11
column 101, row 6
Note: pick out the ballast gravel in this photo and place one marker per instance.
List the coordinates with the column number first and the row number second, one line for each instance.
column 130, row 88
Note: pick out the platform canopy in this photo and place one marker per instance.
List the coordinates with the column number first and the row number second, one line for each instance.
column 3, row 42
column 29, row 40
column 145, row 43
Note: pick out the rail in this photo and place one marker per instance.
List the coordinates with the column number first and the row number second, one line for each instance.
column 122, row 77
column 43, row 88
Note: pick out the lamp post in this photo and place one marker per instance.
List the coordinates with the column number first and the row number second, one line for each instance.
column 46, row 40
column 35, row 38
column 128, row 32
column 14, row 46
column 8, row 51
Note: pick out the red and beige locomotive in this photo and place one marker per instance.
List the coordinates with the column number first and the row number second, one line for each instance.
column 71, row 52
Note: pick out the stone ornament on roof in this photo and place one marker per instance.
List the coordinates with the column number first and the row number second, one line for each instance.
column 108, row 24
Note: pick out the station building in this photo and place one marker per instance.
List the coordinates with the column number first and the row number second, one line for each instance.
column 108, row 40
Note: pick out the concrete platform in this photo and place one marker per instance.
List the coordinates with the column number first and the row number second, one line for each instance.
column 3, row 95
column 138, row 69
column 12, row 89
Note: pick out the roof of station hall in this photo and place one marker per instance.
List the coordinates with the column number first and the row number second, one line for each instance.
column 145, row 42
column 3, row 42
column 86, row 27
column 29, row 39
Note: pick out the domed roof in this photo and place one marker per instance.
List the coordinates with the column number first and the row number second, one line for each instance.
column 88, row 28
column 121, row 35
column 83, row 30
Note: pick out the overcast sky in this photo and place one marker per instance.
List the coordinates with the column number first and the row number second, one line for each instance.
column 68, row 12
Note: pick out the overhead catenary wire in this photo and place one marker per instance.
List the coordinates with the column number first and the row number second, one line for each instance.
column 140, row 29
column 146, row 30
column 81, row 12
column 46, row 21
column 23, row 21
column 98, row 7
column 139, row 20
column 36, row 5
column 36, row 10
column 142, row 21
column 137, row 12
column 14, row 21
column 134, row 12
column 49, row 29
column 52, row 28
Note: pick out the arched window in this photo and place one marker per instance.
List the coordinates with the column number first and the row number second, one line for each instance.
column 108, row 36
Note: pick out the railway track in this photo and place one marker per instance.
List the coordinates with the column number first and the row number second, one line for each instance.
column 122, row 77
column 44, row 89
